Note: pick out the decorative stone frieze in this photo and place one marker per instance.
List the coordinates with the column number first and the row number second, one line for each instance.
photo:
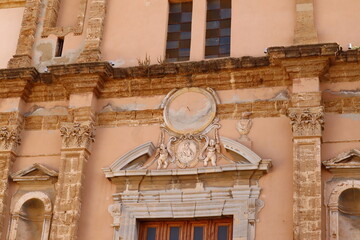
column 77, row 135
column 306, row 121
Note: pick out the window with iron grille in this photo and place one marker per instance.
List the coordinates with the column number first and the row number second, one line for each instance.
column 218, row 28
column 179, row 32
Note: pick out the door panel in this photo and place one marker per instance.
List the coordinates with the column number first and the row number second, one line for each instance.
column 187, row 229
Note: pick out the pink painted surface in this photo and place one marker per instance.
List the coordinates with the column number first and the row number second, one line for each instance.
column 338, row 21
column 259, row 24
column 68, row 13
column 134, row 29
column 111, row 144
column 271, row 139
column 10, row 24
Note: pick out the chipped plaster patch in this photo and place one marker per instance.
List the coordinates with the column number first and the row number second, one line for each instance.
column 350, row 93
column 126, row 107
column 352, row 116
column 41, row 111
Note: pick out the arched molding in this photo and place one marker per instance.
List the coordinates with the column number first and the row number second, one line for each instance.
column 240, row 149
column 147, row 148
column 15, row 214
column 33, row 195
column 333, row 206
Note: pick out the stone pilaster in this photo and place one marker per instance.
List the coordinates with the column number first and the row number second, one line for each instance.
column 22, row 57
column 305, row 31
column 94, row 32
column 76, row 140
column 306, row 118
column 9, row 140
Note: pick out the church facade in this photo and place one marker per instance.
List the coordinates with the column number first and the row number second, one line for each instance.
column 179, row 120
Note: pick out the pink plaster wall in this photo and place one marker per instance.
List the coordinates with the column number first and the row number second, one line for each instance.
column 259, row 24
column 271, row 139
column 338, row 21
column 10, row 23
column 134, row 29
column 111, row 144
column 141, row 28
column 68, row 13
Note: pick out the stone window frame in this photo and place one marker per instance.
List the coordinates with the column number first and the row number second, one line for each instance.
column 333, row 206
column 15, row 214
column 240, row 201
column 51, row 16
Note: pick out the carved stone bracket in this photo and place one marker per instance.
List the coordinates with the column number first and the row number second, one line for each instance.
column 9, row 138
column 306, row 122
column 77, row 135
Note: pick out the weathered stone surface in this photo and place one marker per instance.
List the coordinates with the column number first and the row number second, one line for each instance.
column 52, row 10
column 305, row 31
column 26, row 40
column 76, row 140
column 12, row 3
column 94, row 32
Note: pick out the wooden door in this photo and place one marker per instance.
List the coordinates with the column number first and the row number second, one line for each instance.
column 188, row 229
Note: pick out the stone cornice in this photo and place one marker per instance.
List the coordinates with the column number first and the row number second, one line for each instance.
column 154, row 116
column 280, row 65
column 12, row 3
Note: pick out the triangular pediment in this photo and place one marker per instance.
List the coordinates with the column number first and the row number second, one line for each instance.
column 346, row 164
column 36, row 172
column 346, row 159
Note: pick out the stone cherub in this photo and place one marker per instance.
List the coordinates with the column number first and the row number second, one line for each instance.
column 162, row 156
column 211, row 152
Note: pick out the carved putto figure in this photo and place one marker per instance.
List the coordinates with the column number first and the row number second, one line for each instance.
column 211, row 152
column 162, row 157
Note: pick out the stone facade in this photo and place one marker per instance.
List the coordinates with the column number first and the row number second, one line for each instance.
column 95, row 145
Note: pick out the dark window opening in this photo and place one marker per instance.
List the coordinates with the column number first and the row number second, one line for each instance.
column 59, row 47
column 218, row 28
column 179, row 32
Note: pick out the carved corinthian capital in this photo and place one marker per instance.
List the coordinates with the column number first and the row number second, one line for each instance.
column 9, row 138
column 77, row 135
column 307, row 121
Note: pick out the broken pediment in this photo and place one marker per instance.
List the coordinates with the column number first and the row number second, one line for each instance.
column 36, row 172
column 346, row 164
column 142, row 161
